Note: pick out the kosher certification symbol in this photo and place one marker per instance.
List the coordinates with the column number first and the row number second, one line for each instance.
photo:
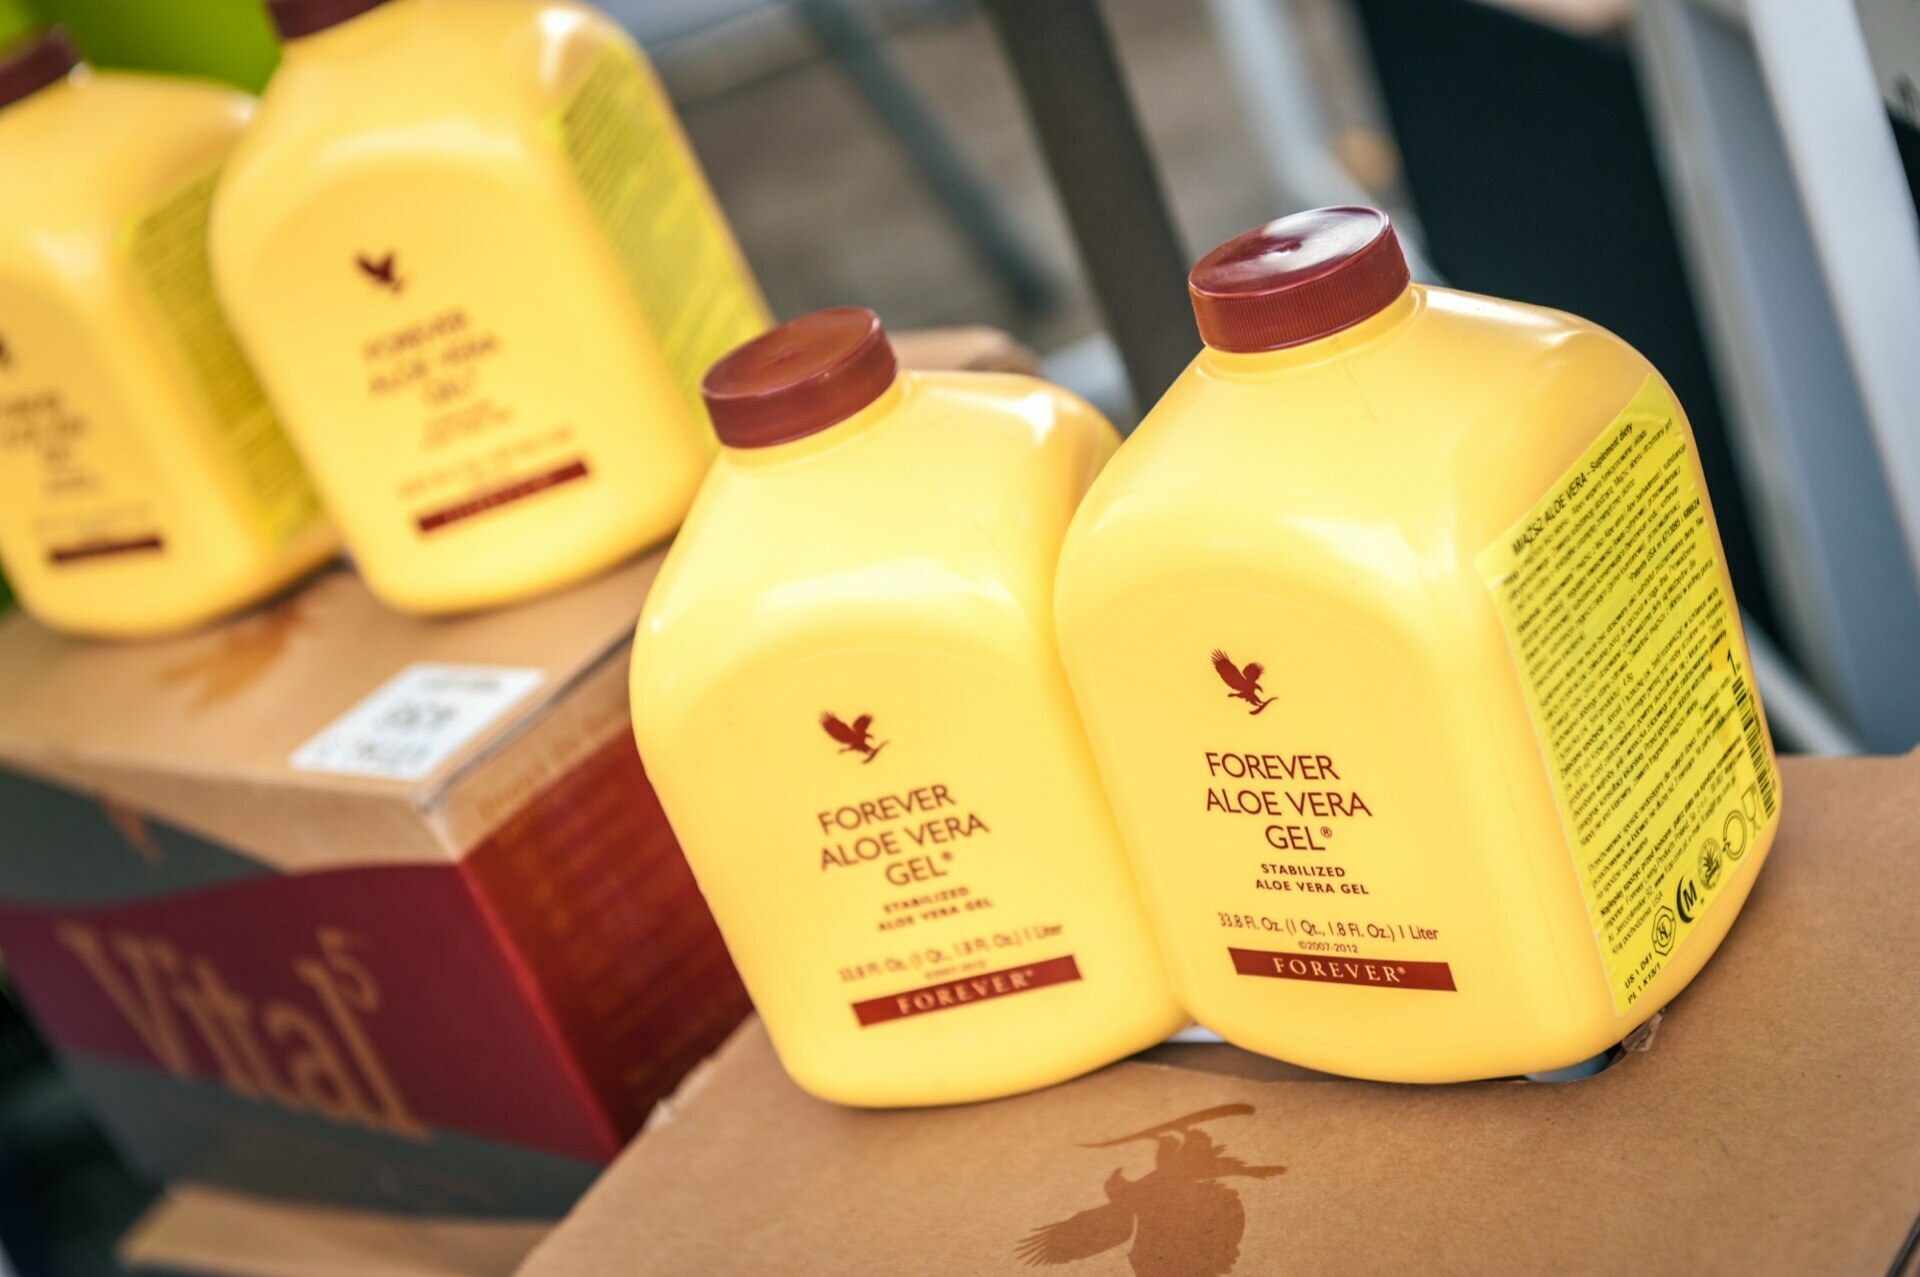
column 1665, row 926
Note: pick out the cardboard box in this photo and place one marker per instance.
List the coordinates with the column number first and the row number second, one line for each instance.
column 338, row 905
column 205, row 1230
column 1769, row 1124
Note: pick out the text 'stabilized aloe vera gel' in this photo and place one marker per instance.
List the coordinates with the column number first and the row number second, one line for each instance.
column 1403, row 637
column 481, row 273
column 145, row 486
column 847, row 693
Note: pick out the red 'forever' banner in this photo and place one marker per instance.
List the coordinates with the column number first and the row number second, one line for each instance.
column 966, row 991
column 1375, row 973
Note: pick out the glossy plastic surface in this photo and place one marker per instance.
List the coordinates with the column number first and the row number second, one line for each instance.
column 1309, row 714
column 846, row 692
column 417, row 243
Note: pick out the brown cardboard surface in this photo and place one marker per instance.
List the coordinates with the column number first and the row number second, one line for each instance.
column 976, row 348
column 510, row 1014
column 208, row 1231
column 1771, row 1125
column 198, row 730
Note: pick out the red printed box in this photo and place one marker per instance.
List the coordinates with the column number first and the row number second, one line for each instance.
column 339, row 906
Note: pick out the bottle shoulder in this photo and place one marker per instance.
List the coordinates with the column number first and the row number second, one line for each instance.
column 1397, row 462
column 1396, row 424
column 457, row 84
column 84, row 157
column 939, row 526
column 962, row 466
column 1015, row 453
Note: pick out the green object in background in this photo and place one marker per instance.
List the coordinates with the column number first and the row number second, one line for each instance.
column 229, row 40
column 16, row 19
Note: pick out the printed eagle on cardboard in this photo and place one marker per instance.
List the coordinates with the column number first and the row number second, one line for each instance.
column 1182, row 1221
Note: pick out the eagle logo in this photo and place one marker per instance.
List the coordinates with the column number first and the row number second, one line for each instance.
column 132, row 826
column 1182, row 1221
column 246, row 650
column 381, row 271
column 855, row 739
column 1243, row 683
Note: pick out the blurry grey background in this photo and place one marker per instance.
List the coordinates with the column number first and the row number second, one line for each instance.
column 828, row 200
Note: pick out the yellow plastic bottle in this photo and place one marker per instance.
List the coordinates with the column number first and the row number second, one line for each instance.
column 1403, row 638
column 145, row 487
column 481, row 273
column 846, row 691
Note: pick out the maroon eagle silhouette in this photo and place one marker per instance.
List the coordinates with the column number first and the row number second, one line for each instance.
column 1182, row 1221
column 380, row 271
column 1244, row 683
column 855, row 739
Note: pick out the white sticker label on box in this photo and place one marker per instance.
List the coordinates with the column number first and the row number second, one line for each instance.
column 415, row 721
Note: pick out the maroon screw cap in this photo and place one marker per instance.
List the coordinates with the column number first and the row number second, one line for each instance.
column 34, row 63
column 1298, row 279
column 799, row 378
column 295, row 18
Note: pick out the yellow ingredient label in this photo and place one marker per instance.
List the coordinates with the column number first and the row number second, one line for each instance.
column 167, row 248
column 1629, row 651
column 639, row 175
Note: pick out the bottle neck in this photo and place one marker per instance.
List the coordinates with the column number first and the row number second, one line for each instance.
column 307, row 25
column 1379, row 326
column 48, row 92
column 834, row 436
column 31, row 67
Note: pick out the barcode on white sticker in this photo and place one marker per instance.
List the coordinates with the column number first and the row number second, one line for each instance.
column 416, row 720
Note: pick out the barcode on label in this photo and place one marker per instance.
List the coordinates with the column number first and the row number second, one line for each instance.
column 1756, row 743
column 415, row 721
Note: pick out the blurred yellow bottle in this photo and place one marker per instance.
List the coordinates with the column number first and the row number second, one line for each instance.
column 846, row 692
column 144, row 484
column 1403, row 638
column 480, row 272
